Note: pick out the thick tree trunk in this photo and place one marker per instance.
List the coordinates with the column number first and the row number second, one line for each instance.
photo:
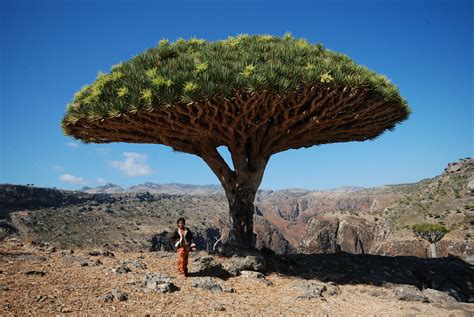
column 240, row 185
column 241, row 211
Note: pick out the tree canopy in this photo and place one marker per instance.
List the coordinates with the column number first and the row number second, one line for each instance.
column 194, row 88
column 433, row 232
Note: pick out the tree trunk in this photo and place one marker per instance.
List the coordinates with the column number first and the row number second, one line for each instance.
column 241, row 210
column 240, row 186
column 433, row 250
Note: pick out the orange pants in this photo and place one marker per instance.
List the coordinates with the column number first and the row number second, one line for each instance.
column 183, row 256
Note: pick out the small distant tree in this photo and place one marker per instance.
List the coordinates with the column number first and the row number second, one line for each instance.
column 432, row 232
column 256, row 95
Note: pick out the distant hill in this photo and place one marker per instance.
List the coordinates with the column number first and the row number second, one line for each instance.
column 357, row 220
column 108, row 189
column 153, row 188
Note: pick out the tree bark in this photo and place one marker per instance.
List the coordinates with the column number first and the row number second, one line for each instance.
column 240, row 185
column 433, row 250
column 241, row 211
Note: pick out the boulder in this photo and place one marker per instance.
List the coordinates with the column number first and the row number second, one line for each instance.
column 237, row 263
column 410, row 293
column 115, row 294
column 159, row 283
column 435, row 296
column 256, row 275
column 205, row 265
column 119, row 295
column 470, row 185
column 134, row 263
column 316, row 289
column 207, row 283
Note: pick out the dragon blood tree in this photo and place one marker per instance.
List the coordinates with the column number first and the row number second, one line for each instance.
column 256, row 95
column 431, row 232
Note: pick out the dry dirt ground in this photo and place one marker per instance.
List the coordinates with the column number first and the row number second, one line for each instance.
column 68, row 288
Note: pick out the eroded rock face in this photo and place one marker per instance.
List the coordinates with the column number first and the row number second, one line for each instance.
column 333, row 234
column 393, row 247
column 270, row 237
column 321, row 235
column 446, row 247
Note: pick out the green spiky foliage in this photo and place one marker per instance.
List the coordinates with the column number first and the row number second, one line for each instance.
column 257, row 95
column 433, row 232
column 192, row 70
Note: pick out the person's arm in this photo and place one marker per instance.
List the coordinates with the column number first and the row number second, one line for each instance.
column 193, row 246
column 176, row 238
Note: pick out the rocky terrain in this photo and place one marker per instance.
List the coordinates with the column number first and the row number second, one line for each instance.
column 334, row 252
column 40, row 279
column 356, row 220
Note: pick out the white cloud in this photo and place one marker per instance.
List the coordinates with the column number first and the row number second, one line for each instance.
column 72, row 144
column 71, row 179
column 58, row 168
column 101, row 180
column 133, row 165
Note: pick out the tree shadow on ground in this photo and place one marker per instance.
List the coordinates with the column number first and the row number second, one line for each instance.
column 450, row 274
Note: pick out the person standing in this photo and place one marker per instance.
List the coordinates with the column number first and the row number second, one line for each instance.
column 183, row 241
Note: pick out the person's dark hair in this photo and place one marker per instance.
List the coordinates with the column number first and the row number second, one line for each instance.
column 181, row 219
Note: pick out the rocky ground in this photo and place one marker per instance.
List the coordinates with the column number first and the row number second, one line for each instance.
column 355, row 220
column 38, row 279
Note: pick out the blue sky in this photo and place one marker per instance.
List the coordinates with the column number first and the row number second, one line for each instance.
column 49, row 49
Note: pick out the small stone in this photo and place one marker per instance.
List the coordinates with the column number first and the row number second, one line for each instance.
column 119, row 295
column 159, row 283
column 410, row 293
column 251, row 274
column 134, row 263
column 41, row 273
column 435, row 296
column 107, row 253
column 131, row 282
column 207, row 283
column 51, row 249
column 121, row 270
column 108, row 297
column 219, row 307
column 332, row 289
column 65, row 309
column 40, row 298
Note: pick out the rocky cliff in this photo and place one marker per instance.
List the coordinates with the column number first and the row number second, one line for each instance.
column 378, row 221
column 355, row 220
